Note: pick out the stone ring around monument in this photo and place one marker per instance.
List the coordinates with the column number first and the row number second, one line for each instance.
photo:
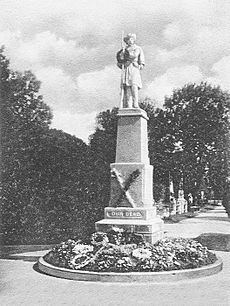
column 142, row 277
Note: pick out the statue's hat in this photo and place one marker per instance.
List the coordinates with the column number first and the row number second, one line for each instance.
column 128, row 36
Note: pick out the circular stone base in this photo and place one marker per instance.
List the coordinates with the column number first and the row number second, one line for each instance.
column 165, row 276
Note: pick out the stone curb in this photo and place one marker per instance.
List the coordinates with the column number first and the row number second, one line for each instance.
column 156, row 277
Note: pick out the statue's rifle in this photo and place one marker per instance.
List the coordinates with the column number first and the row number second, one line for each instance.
column 122, row 72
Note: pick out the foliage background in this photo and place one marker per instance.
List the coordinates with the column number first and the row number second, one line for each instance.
column 54, row 186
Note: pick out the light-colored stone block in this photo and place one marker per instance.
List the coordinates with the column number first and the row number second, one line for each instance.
column 132, row 136
column 151, row 230
column 140, row 191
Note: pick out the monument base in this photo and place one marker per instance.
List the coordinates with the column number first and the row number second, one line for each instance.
column 131, row 206
column 151, row 230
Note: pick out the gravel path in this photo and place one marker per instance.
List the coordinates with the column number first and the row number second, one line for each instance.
column 22, row 284
column 212, row 221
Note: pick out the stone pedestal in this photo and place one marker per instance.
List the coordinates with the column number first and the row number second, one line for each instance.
column 131, row 203
column 182, row 204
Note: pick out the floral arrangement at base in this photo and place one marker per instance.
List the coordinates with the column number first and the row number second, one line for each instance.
column 122, row 251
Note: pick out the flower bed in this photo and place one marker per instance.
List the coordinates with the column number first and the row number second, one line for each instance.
column 120, row 251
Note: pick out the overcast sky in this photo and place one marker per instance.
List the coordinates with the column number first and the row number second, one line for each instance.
column 70, row 45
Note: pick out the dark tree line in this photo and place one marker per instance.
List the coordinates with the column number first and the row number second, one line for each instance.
column 51, row 183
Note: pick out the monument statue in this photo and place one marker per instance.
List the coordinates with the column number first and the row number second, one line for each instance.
column 131, row 206
column 130, row 59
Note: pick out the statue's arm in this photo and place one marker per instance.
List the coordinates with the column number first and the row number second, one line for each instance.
column 120, row 58
column 141, row 60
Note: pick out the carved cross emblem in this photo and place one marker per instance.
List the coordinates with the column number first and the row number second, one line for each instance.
column 124, row 186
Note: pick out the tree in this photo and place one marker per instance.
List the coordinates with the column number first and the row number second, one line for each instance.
column 103, row 152
column 23, row 117
column 198, row 116
column 103, row 140
column 65, row 186
column 51, row 181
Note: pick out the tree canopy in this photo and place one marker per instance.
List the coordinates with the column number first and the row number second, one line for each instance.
column 198, row 122
column 50, row 186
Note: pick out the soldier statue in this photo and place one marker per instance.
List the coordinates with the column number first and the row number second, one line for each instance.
column 130, row 59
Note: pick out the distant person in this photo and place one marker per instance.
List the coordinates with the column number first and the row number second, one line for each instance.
column 190, row 201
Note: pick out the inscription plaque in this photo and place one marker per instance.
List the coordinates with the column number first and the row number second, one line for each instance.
column 134, row 214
